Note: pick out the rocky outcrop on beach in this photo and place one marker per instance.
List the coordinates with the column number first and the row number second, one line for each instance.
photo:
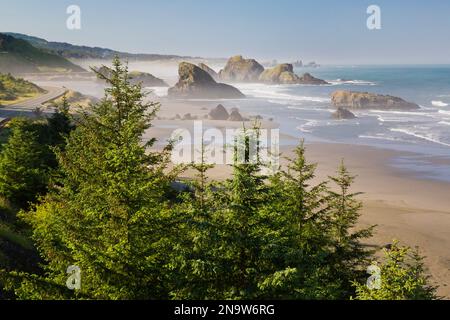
column 239, row 69
column 197, row 83
column 343, row 114
column 365, row 100
column 210, row 71
column 309, row 79
column 219, row 113
column 236, row 116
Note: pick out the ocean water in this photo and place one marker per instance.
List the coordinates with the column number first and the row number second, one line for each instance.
column 305, row 111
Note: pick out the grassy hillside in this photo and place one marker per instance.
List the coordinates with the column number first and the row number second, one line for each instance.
column 19, row 56
column 13, row 89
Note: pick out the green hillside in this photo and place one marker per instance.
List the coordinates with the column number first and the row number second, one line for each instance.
column 19, row 56
column 71, row 51
column 13, row 89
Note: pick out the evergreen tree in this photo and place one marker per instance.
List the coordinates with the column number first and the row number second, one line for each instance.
column 244, row 233
column 402, row 277
column 350, row 258
column 60, row 124
column 23, row 167
column 110, row 217
column 192, row 259
column 305, row 220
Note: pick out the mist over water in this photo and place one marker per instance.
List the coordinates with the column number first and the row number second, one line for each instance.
column 305, row 111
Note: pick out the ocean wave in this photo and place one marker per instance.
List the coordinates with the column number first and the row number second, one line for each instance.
column 439, row 104
column 381, row 119
column 307, row 127
column 428, row 137
column 276, row 93
column 399, row 112
column 445, row 123
column 444, row 112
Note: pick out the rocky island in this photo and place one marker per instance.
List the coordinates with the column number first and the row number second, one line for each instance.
column 195, row 83
column 365, row 100
column 239, row 69
column 284, row 74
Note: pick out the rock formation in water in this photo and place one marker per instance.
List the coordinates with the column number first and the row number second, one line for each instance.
column 280, row 74
column 239, row 69
column 210, row 71
column 343, row 114
column 309, row 79
column 365, row 100
column 198, row 84
column 284, row 74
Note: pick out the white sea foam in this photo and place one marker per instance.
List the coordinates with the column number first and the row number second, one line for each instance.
column 276, row 93
column 351, row 82
column 399, row 112
column 439, row 104
column 421, row 135
column 307, row 127
column 381, row 119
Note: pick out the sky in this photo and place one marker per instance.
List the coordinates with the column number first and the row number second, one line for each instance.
column 325, row 31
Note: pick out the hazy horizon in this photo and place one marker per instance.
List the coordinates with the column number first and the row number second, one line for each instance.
column 325, row 31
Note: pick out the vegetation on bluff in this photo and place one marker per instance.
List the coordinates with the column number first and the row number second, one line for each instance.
column 19, row 56
column 12, row 89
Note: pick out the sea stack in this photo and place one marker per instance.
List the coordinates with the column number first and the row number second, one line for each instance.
column 280, row 74
column 210, row 71
column 239, row 69
column 195, row 83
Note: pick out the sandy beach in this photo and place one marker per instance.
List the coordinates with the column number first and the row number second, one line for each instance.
column 405, row 207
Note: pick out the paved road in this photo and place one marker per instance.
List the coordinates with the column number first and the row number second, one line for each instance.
column 26, row 108
column 31, row 104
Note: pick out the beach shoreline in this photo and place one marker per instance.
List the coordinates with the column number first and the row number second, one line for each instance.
column 402, row 204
